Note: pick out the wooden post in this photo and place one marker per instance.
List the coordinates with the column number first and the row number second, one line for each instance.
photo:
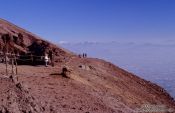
column 16, row 65
column 12, row 66
column 6, row 64
column 6, row 51
column 32, row 59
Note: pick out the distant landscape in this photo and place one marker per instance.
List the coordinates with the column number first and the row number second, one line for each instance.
column 87, row 56
column 153, row 61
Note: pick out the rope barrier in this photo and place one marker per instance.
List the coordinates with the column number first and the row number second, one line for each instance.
column 1, row 53
column 23, row 58
column 12, row 57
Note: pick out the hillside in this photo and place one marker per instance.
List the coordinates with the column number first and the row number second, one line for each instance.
column 152, row 61
column 22, row 41
column 92, row 86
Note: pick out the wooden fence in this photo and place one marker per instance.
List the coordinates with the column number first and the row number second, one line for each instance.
column 11, row 60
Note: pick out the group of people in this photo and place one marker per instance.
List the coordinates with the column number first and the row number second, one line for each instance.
column 84, row 55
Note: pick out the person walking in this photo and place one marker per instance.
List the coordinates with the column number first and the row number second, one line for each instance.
column 51, row 57
column 46, row 59
column 85, row 55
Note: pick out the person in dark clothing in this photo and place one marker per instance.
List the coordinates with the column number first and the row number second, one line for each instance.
column 79, row 56
column 85, row 55
column 51, row 56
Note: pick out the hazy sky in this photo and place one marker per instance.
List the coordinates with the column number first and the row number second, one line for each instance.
column 93, row 20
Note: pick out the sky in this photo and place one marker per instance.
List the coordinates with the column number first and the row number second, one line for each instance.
column 93, row 20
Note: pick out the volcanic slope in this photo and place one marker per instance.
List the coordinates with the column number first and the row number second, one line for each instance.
column 93, row 86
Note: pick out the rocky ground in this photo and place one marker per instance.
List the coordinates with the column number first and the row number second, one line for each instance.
column 93, row 86
column 90, row 86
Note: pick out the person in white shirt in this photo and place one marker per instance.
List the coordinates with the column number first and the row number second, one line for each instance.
column 46, row 59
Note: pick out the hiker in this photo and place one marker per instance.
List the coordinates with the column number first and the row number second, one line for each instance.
column 79, row 56
column 51, row 56
column 46, row 59
column 85, row 55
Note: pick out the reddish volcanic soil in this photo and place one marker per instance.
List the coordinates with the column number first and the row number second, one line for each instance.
column 92, row 86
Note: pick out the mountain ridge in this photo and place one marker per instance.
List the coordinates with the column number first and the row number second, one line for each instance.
column 93, row 85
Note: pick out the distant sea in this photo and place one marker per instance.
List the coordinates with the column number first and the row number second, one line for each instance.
column 154, row 62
